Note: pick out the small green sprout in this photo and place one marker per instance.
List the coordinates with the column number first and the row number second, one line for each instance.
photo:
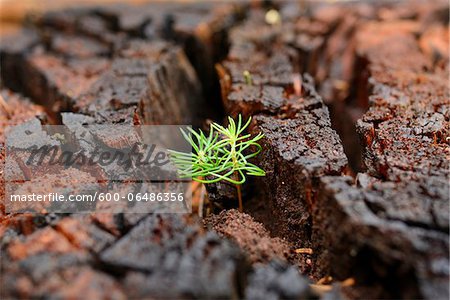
column 247, row 77
column 223, row 154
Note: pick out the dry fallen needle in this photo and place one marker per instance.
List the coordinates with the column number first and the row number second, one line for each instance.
column 324, row 288
column 304, row 251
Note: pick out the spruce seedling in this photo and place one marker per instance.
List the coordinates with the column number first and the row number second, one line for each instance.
column 221, row 155
column 247, row 77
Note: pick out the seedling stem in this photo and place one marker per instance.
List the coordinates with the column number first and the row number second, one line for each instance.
column 221, row 155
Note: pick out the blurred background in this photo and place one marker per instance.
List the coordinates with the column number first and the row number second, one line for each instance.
column 13, row 12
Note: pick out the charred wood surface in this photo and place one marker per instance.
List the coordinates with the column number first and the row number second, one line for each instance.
column 336, row 89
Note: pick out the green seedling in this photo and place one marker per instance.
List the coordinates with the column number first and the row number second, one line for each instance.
column 247, row 77
column 221, row 155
